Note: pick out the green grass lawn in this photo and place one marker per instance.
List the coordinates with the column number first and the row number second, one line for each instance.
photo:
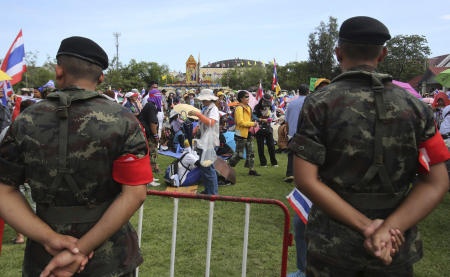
column 265, row 232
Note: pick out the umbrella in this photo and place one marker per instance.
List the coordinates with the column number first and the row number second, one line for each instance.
column 407, row 87
column 444, row 78
column 225, row 170
column 184, row 109
column 4, row 76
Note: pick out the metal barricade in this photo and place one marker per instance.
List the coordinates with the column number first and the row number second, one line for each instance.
column 287, row 236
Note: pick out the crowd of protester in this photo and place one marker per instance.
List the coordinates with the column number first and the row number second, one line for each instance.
column 172, row 128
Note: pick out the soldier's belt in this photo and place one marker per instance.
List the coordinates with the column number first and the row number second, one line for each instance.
column 374, row 201
column 71, row 214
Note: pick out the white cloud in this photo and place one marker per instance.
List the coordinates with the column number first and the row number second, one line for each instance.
column 446, row 17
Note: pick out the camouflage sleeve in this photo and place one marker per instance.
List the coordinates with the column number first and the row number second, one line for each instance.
column 12, row 171
column 306, row 143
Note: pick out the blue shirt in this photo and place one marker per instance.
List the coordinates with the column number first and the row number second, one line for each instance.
column 293, row 113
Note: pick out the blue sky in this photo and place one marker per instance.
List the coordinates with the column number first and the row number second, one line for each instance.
column 168, row 31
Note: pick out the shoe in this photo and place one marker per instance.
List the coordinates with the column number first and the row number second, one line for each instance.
column 18, row 240
column 164, row 148
column 224, row 183
column 265, row 166
column 298, row 273
column 288, row 179
column 153, row 184
column 275, row 165
column 155, row 179
column 253, row 173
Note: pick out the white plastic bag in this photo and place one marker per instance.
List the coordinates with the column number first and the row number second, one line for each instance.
column 206, row 144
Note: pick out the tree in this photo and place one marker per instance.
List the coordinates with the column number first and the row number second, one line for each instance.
column 134, row 75
column 294, row 74
column 35, row 76
column 243, row 77
column 321, row 49
column 407, row 56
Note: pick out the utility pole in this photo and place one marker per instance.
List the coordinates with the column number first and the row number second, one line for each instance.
column 117, row 35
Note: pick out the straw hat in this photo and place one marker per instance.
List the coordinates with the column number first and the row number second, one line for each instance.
column 320, row 81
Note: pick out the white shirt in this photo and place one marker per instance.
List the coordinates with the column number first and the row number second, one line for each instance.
column 445, row 124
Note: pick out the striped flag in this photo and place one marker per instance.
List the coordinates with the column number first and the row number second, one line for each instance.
column 7, row 91
column 300, row 204
column 275, row 86
column 282, row 101
column 274, row 77
column 14, row 62
column 259, row 93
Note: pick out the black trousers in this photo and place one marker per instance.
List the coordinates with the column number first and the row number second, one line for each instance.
column 267, row 137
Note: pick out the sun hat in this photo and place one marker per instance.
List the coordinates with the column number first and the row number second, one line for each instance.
column 320, row 81
column 131, row 94
column 173, row 113
column 206, row 94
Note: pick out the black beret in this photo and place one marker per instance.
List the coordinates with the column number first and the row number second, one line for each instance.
column 364, row 30
column 85, row 49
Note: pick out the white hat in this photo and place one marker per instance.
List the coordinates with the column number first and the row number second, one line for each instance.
column 173, row 113
column 130, row 94
column 206, row 94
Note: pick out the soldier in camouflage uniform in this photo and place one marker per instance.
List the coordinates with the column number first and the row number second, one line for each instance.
column 86, row 161
column 357, row 155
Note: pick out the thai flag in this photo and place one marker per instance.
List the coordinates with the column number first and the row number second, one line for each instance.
column 300, row 203
column 275, row 77
column 14, row 62
column 7, row 91
column 259, row 93
column 282, row 101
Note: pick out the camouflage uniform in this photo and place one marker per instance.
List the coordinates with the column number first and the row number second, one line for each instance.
column 337, row 132
column 99, row 131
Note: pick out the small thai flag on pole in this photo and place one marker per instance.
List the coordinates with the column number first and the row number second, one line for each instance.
column 260, row 92
column 300, row 203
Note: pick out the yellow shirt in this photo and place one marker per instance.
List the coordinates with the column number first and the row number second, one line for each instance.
column 243, row 120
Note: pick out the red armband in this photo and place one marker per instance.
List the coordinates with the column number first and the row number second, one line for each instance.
column 432, row 151
column 132, row 171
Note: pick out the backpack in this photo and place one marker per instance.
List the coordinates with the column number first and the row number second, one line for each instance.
column 5, row 117
column 172, row 169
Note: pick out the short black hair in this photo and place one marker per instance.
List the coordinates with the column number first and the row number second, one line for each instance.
column 303, row 89
column 152, row 83
column 241, row 94
column 79, row 68
column 360, row 51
